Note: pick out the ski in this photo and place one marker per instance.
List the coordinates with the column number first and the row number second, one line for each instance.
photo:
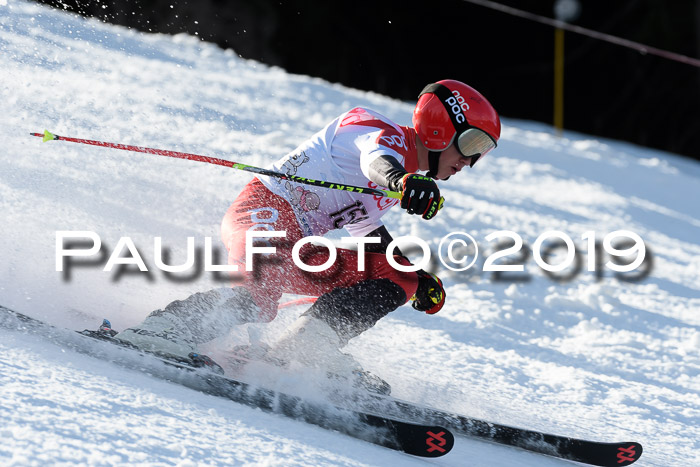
column 574, row 449
column 424, row 440
column 563, row 447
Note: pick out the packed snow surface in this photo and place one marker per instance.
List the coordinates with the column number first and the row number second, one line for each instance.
column 603, row 355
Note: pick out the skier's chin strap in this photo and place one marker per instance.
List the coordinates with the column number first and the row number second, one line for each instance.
column 433, row 164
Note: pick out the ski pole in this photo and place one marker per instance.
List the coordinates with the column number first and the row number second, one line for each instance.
column 48, row 136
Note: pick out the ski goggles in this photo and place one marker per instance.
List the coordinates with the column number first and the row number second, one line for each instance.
column 474, row 143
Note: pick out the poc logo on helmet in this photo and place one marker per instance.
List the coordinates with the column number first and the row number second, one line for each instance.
column 458, row 106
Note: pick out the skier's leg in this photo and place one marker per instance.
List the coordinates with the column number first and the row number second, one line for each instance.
column 258, row 209
column 183, row 324
column 316, row 337
column 349, row 304
column 351, row 301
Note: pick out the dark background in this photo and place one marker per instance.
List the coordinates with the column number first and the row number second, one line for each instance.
column 397, row 47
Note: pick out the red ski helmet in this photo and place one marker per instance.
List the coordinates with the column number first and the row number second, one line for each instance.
column 449, row 112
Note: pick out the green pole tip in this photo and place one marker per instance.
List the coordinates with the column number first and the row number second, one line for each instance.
column 48, row 136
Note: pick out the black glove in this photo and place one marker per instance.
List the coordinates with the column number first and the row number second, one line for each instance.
column 420, row 195
column 430, row 296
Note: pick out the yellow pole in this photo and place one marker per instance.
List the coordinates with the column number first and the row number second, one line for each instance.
column 559, row 80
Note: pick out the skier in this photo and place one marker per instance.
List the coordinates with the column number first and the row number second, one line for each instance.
column 453, row 126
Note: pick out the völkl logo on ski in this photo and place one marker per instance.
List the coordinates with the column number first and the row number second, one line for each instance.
column 626, row 454
column 432, row 438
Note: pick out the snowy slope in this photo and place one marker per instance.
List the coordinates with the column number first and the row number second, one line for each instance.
column 593, row 357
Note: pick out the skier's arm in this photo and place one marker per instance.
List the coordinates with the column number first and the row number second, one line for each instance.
column 387, row 171
column 421, row 194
